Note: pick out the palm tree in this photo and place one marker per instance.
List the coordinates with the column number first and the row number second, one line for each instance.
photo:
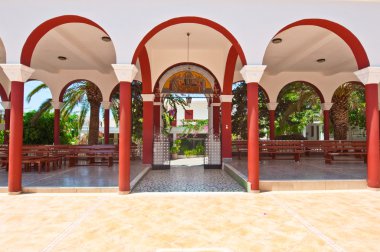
column 137, row 112
column 172, row 102
column 82, row 93
column 344, row 100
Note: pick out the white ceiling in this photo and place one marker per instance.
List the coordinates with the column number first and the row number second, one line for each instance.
column 300, row 48
column 80, row 43
column 207, row 47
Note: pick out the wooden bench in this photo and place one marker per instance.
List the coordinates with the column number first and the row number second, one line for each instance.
column 272, row 148
column 357, row 149
column 88, row 153
column 288, row 149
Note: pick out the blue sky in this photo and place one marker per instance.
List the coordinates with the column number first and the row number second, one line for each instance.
column 37, row 98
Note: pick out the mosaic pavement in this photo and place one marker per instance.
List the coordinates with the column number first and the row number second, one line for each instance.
column 151, row 222
column 187, row 178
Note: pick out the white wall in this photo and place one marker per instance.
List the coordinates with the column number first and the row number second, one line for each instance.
column 199, row 107
column 253, row 23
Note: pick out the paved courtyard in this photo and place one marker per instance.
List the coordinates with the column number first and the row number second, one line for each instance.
column 313, row 168
column 77, row 176
column 291, row 221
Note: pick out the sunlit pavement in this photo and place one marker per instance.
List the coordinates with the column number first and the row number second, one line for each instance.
column 286, row 221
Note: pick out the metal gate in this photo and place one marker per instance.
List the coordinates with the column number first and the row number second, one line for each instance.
column 213, row 157
column 161, row 152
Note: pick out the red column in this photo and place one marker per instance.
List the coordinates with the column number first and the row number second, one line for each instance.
column 124, row 136
column 253, row 135
column 226, row 108
column 272, row 130
column 106, row 126
column 57, row 114
column 7, row 119
column 215, row 119
column 157, row 117
column 372, row 122
column 147, row 132
column 326, row 124
column 15, row 137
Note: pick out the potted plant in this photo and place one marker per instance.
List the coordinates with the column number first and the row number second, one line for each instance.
column 175, row 149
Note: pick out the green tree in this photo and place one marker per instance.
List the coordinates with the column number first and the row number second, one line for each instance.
column 170, row 104
column 137, row 109
column 298, row 105
column 41, row 130
column 82, row 93
column 239, row 111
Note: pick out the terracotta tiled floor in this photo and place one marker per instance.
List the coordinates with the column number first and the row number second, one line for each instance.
column 292, row 221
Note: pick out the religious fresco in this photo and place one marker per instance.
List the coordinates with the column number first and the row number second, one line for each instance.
column 187, row 82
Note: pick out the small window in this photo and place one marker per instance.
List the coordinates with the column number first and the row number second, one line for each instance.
column 188, row 114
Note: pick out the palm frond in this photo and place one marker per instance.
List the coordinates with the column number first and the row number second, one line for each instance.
column 44, row 107
column 35, row 91
column 83, row 113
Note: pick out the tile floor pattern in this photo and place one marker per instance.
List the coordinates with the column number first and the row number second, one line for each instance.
column 313, row 168
column 77, row 176
column 188, row 179
column 148, row 222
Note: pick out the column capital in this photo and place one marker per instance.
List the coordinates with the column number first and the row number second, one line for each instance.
column 326, row 106
column 368, row 75
column 226, row 98
column 17, row 72
column 6, row 104
column 272, row 105
column 215, row 104
column 56, row 104
column 106, row 104
column 156, row 103
column 252, row 73
column 148, row 97
column 125, row 72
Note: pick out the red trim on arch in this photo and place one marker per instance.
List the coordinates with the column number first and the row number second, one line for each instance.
column 260, row 88
column 3, row 93
column 229, row 71
column 186, row 63
column 351, row 40
column 72, row 82
column 44, row 28
column 319, row 93
column 145, row 72
column 265, row 93
column 195, row 20
column 114, row 91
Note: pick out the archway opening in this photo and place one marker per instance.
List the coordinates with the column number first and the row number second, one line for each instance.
column 298, row 113
column 348, row 112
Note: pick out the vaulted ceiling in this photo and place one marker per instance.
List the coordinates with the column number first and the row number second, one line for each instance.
column 81, row 44
column 302, row 46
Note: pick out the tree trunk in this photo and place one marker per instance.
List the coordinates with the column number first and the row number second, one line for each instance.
column 340, row 119
column 93, row 132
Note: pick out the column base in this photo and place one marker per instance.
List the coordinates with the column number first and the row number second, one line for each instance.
column 14, row 193
column 373, row 189
column 124, row 192
column 254, row 191
column 227, row 159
